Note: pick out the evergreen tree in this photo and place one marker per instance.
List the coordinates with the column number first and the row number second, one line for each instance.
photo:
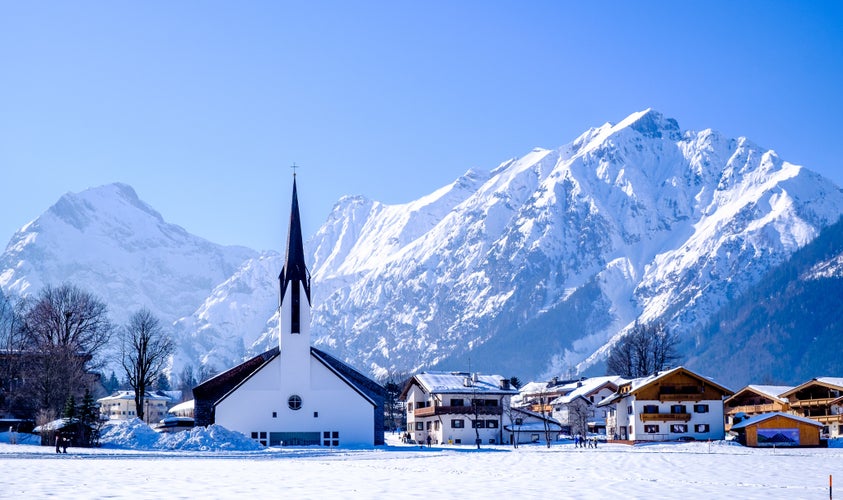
column 89, row 419
column 162, row 383
column 69, row 407
column 111, row 385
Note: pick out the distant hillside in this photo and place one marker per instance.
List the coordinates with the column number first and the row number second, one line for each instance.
column 788, row 328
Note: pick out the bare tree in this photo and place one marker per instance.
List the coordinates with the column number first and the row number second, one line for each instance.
column 145, row 349
column 644, row 351
column 62, row 332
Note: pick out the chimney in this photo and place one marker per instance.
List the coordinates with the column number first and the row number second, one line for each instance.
column 505, row 384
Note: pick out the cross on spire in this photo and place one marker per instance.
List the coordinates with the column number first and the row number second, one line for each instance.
column 294, row 167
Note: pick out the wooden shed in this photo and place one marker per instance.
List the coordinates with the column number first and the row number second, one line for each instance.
column 778, row 429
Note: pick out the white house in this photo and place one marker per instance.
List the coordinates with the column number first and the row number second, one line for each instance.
column 121, row 405
column 670, row 405
column 457, row 407
column 577, row 409
column 294, row 394
column 527, row 426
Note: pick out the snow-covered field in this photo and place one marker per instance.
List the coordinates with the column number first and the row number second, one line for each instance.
column 192, row 470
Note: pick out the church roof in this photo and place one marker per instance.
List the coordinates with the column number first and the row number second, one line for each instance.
column 217, row 388
column 294, row 265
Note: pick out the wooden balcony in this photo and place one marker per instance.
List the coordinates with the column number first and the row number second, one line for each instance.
column 680, row 397
column 664, row 417
column 811, row 403
column 754, row 409
column 430, row 411
column 539, row 408
column 826, row 419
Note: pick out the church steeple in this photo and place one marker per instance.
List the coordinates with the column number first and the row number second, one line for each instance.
column 295, row 271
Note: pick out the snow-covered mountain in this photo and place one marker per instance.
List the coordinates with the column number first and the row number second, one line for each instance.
column 539, row 265
column 533, row 268
column 112, row 244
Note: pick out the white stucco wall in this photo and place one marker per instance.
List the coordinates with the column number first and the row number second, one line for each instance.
column 338, row 407
column 714, row 419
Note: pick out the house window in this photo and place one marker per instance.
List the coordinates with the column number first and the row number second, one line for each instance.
column 679, row 428
column 436, row 425
column 457, row 402
column 677, row 409
column 491, row 424
column 651, row 429
column 629, row 410
column 316, row 414
column 429, row 424
column 701, row 428
column 419, row 426
column 478, row 424
column 651, row 408
column 294, row 402
column 457, row 423
column 410, row 406
column 700, row 408
column 519, row 421
column 330, row 438
column 275, row 414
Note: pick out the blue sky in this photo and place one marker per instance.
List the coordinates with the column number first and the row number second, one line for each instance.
column 202, row 106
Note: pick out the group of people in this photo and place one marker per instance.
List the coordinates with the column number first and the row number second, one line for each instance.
column 585, row 441
column 62, row 442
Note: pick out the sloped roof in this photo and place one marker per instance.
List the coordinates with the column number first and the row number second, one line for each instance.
column 635, row 385
column 220, row 386
column 773, row 391
column 585, row 387
column 455, row 383
column 130, row 395
column 769, row 391
column 552, row 423
column 832, row 382
column 766, row 416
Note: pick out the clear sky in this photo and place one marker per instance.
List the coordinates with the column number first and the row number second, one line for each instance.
column 202, row 106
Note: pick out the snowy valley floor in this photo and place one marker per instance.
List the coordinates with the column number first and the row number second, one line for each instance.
column 687, row 470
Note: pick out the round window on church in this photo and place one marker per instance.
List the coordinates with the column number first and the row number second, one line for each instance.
column 294, row 402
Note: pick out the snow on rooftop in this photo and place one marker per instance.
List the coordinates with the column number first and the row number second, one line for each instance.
column 461, row 382
column 773, row 391
column 764, row 416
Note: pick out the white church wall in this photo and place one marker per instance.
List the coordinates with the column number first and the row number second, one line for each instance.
column 328, row 404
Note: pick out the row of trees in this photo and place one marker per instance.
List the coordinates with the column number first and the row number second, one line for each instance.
column 53, row 344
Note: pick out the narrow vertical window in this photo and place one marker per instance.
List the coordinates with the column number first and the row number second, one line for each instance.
column 295, row 318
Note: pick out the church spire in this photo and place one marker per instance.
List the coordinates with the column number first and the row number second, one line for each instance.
column 295, row 271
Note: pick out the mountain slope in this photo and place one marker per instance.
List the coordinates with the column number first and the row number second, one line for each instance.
column 534, row 268
column 787, row 329
column 646, row 220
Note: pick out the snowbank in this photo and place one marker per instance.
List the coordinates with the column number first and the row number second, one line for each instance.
column 136, row 435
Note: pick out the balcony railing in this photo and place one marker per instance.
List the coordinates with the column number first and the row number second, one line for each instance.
column 826, row 419
column 801, row 403
column 429, row 411
column 753, row 409
column 665, row 417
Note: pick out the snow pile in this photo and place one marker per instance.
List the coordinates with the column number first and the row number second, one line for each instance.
column 136, row 435
column 130, row 434
column 212, row 438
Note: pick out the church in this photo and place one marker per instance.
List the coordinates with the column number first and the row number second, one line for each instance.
column 294, row 394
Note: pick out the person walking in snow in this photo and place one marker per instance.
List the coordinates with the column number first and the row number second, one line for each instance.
column 58, row 442
column 428, row 440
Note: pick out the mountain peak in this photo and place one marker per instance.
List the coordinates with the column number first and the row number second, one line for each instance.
column 650, row 123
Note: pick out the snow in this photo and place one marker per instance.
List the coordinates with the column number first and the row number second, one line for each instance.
column 693, row 470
